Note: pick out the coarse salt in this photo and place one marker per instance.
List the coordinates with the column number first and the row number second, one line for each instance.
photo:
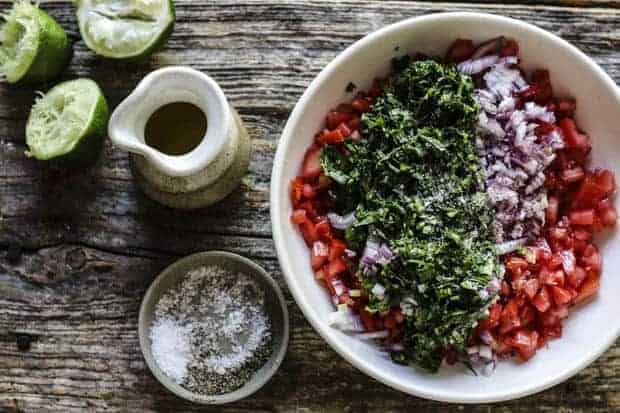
column 171, row 348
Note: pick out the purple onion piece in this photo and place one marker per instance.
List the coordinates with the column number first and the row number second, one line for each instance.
column 341, row 222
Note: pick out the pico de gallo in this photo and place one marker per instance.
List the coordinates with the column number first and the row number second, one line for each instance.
column 449, row 210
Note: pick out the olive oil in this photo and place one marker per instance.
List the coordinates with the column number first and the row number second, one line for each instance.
column 176, row 128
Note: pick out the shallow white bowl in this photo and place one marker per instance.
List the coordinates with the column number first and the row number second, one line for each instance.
column 587, row 332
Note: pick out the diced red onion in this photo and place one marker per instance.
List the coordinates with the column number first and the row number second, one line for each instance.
column 378, row 290
column 486, row 337
column 350, row 253
column 355, row 135
column 490, row 46
column 338, row 287
column 320, row 249
column 341, row 222
column 475, row 66
column 345, row 321
column 510, row 246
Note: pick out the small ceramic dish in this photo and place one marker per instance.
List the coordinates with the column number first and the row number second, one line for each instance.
column 276, row 307
column 587, row 333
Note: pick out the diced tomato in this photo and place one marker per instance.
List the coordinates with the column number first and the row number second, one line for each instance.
column 571, row 135
column 575, row 278
column 299, row 216
column 492, row 320
column 368, row 319
column 344, row 129
column 548, row 318
column 560, row 295
column 311, row 166
column 361, row 104
column 354, row 123
column 297, row 186
column 308, row 191
column 319, row 274
column 589, row 287
column 336, row 249
column 527, row 315
column 331, row 137
column 582, row 217
column 510, row 48
column 573, row 175
column 607, row 213
column 509, row 318
column 335, row 118
column 460, row 50
column 308, row 231
column 606, row 181
column 531, row 287
column 525, row 342
column 323, row 228
column 565, row 107
column 553, row 204
column 516, row 264
column 542, row 301
column 591, row 259
column 336, row 267
column 552, row 278
column 554, row 262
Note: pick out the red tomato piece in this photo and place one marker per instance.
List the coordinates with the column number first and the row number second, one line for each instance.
column 553, row 206
column 526, row 343
column 368, row 319
column 299, row 216
column 560, row 295
column 344, row 129
column 573, row 175
column 571, row 135
column 542, row 301
column 576, row 277
column 582, row 217
column 461, row 49
column 336, row 267
column 492, row 320
column 516, row 264
column 336, row 249
column 531, row 288
column 510, row 48
column 509, row 318
column 361, row 104
column 589, row 287
column 607, row 213
column 565, row 107
column 335, row 118
column 311, row 167
column 331, row 137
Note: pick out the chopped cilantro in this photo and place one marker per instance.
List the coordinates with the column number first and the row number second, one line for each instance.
column 415, row 182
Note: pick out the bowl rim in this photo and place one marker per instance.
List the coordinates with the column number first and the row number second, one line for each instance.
column 278, row 229
column 257, row 381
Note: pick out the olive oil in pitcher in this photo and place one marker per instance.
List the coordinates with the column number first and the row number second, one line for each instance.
column 176, row 128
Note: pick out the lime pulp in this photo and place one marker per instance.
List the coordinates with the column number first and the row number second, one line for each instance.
column 68, row 122
column 34, row 47
column 125, row 29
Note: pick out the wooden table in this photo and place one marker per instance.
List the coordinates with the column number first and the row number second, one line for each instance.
column 78, row 250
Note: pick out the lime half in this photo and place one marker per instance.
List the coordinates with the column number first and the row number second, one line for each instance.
column 68, row 123
column 34, row 48
column 125, row 29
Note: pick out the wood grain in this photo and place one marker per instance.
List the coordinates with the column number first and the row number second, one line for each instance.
column 78, row 250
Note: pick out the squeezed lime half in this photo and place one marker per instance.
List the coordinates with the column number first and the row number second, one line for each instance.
column 34, row 48
column 68, row 123
column 125, row 29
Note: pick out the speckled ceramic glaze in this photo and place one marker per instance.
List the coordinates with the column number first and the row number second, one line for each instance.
column 206, row 174
column 275, row 304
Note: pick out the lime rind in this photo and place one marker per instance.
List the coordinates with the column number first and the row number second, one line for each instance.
column 34, row 47
column 20, row 39
column 67, row 117
column 125, row 29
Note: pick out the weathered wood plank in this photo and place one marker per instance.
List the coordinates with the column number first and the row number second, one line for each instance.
column 77, row 251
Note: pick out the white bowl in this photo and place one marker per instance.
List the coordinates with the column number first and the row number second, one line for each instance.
column 588, row 332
